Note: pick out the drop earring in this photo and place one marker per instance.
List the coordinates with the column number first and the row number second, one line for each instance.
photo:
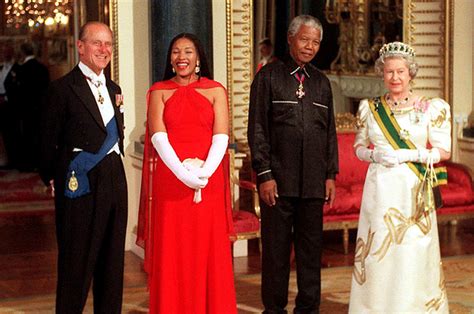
column 198, row 68
column 172, row 69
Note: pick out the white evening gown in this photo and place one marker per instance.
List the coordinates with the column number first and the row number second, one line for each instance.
column 399, row 271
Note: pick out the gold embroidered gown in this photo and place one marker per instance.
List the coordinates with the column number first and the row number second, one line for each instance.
column 397, row 266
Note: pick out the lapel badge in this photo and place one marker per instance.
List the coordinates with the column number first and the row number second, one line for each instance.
column 119, row 101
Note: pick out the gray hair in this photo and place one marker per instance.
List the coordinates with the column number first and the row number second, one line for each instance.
column 410, row 62
column 307, row 20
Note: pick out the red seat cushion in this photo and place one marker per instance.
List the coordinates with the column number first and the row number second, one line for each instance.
column 454, row 194
column 245, row 221
column 348, row 198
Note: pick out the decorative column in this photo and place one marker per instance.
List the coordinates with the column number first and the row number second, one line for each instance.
column 168, row 19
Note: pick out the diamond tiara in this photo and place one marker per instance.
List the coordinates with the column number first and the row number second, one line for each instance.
column 396, row 48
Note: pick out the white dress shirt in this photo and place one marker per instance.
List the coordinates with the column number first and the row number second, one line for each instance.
column 7, row 66
column 97, row 84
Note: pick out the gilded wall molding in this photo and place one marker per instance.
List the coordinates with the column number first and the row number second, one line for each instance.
column 113, row 21
column 428, row 29
column 239, row 33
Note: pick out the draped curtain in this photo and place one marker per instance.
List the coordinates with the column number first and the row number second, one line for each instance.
column 264, row 24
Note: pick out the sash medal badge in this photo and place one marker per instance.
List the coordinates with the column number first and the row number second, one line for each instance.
column 73, row 185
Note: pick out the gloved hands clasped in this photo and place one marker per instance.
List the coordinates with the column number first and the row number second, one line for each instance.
column 392, row 158
column 193, row 177
column 168, row 155
column 214, row 157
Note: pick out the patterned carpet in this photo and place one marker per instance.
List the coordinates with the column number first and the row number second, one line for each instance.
column 459, row 273
column 23, row 194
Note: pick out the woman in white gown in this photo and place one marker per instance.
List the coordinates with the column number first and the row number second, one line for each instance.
column 397, row 266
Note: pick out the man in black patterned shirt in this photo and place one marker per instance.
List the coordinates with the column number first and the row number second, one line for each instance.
column 293, row 144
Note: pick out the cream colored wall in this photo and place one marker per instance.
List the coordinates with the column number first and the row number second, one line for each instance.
column 219, row 40
column 134, row 74
column 463, row 54
column 463, row 67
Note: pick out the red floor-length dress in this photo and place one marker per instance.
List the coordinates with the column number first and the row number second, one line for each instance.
column 189, row 257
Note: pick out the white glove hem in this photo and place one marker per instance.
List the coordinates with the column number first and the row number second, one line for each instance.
column 215, row 154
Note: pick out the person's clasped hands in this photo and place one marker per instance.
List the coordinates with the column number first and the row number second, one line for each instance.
column 168, row 155
column 192, row 176
column 393, row 158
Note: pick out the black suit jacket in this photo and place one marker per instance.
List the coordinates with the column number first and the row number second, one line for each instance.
column 71, row 119
column 33, row 84
column 291, row 140
column 12, row 85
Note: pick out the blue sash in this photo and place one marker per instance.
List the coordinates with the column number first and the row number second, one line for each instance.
column 77, row 182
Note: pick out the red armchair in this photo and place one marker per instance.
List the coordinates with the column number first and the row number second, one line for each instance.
column 246, row 221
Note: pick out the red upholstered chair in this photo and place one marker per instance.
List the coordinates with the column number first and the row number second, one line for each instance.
column 245, row 217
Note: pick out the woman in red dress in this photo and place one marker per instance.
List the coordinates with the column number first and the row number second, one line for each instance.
column 184, row 221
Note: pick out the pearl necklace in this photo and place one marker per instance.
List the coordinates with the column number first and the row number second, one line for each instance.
column 401, row 103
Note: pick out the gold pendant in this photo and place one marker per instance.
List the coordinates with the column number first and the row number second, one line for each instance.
column 73, row 185
column 101, row 99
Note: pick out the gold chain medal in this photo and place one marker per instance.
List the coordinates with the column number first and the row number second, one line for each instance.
column 97, row 85
column 73, row 184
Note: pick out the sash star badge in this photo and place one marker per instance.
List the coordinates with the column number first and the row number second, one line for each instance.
column 73, row 184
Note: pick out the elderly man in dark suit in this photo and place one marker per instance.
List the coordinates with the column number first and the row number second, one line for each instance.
column 292, row 139
column 82, row 139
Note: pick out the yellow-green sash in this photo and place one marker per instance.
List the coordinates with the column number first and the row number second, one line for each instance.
column 391, row 129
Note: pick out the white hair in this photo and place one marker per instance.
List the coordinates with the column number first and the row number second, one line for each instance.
column 307, row 20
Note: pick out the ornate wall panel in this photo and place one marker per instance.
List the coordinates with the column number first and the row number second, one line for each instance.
column 427, row 29
column 114, row 65
column 239, row 65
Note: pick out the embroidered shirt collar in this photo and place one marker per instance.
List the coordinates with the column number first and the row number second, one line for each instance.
column 294, row 67
column 91, row 74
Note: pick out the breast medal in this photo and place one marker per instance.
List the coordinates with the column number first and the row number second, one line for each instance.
column 300, row 91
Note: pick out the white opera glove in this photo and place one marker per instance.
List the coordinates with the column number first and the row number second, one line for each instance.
column 168, row 155
column 418, row 155
column 214, row 156
column 365, row 154
column 385, row 158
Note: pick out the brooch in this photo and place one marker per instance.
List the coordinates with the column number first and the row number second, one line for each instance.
column 404, row 134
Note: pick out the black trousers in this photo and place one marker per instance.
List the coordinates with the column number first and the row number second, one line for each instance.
column 295, row 220
column 91, row 240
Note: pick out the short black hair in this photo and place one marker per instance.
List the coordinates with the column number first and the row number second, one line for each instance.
column 27, row 49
